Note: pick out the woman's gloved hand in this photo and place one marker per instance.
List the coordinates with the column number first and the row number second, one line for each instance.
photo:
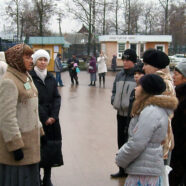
column 18, row 155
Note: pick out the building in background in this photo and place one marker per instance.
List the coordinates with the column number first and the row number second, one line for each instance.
column 53, row 45
column 116, row 44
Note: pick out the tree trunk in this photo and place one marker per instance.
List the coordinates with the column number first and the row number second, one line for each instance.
column 90, row 27
column 104, row 16
column 116, row 17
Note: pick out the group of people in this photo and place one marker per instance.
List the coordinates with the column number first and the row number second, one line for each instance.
column 151, row 119
column 29, row 119
column 100, row 66
column 151, row 116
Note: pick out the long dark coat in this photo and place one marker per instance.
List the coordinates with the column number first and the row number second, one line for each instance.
column 49, row 104
column 178, row 159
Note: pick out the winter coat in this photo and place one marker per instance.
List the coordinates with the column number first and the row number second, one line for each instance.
column 49, row 104
column 102, row 67
column 178, row 161
column 114, row 64
column 92, row 64
column 20, row 127
column 122, row 87
column 168, row 143
column 71, row 67
column 57, row 65
column 143, row 153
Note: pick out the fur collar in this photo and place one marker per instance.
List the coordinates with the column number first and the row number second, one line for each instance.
column 167, row 102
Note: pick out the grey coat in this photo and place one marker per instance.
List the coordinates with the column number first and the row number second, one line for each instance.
column 122, row 87
column 143, row 153
column 58, row 65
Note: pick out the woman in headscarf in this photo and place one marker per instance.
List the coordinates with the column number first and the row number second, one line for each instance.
column 20, row 127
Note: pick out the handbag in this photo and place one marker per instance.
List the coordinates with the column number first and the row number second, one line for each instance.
column 90, row 68
column 77, row 70
column 51, row 154
column 165, row 176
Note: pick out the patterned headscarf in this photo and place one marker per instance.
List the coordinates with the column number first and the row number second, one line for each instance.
column 14, row 57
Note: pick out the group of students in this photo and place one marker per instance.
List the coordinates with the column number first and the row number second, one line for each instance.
column 144, row 96
column 29, row 118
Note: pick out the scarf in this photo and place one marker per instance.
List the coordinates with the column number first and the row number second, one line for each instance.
column 41, row 73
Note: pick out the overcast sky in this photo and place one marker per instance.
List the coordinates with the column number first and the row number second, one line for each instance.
column 67, row 25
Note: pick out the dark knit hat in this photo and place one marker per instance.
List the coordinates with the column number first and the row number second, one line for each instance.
column 152, row 84
column 139, row 68
column 156, row 58
column 130, row 54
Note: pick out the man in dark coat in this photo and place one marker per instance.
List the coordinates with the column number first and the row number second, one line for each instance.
column 178, row 161
column 72, row 64
column 122, row 87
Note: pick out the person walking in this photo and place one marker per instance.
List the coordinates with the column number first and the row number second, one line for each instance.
column 102, row 68
column 122, row 87
column 157, row 62
column 20, row 127
column 72, row 64
column 178, row 162
column 58, row 69
column 92, row 71
column 114, row 63
column 49, row 106
column 142, row 155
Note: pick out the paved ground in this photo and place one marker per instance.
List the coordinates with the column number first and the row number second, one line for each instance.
column 88, row 124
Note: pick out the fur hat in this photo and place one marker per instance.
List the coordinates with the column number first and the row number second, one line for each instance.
column 139, row 68
column 156, row 58
column 181, row 67
column 152, row 84
column 130, row 54
column 40, row 53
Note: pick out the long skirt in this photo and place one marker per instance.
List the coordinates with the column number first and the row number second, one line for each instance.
column 139, row 180
column 27, row 175
column 92, row 76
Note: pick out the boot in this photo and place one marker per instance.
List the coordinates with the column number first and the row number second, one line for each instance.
column 119, row 174
column 90, row 84
column 47, row 177
column 94, row 84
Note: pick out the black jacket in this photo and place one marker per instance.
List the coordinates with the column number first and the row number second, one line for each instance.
column 178, row 159
column 49, row 104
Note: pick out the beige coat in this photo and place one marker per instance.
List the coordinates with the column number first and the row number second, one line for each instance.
column 19, row 120
column 168, row 143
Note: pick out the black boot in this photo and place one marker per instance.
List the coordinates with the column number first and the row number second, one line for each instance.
column 119, row 174
column 47, row 177
column 90, row 84
column 94, row 84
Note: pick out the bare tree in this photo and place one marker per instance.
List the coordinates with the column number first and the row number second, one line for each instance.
column 13, row 10
column 165, row 5
column 44, row 10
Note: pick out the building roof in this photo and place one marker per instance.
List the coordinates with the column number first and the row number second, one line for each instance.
column 136, row 38
column 83, row 30
column 47, row 40
column 77, row 38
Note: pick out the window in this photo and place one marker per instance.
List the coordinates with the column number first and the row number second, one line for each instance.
column 133, row 46
column 121, row 48
column 160, row 47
